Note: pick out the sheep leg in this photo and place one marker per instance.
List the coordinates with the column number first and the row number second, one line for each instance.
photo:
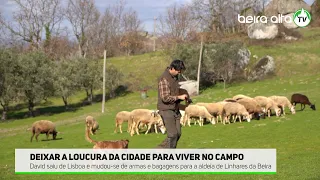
column 189, row 119
column 225, row 119
column 156, row 128
column 303, row 106
column 32, row 137
column 37, row 134
column 137, row 127
column 200, row 121
column 120, row 128
column 129, row 125
column 137, row 130
column 239, row 118
column 149, row 127
column 184, row 120
column 132, row 128
column 48, row 135
column 284, row 113
column 115, row 129
column 213, row 121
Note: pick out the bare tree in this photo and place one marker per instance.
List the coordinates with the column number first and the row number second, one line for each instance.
column 131, row 40
column 131, row 22
column 204, row 12
column 176, row 23
column 120, row 29
column 216, row 15
column 1, row 30
column 82, row 14
column 32, row 18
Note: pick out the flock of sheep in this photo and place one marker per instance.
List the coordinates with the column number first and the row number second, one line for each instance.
column 239, row 107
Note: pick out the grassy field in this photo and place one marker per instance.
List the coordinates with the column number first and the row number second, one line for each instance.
column 296, row 137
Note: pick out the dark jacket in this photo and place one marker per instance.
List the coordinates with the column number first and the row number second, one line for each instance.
column 174, row 91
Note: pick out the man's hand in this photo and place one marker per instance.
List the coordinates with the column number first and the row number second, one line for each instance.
column 183, row 96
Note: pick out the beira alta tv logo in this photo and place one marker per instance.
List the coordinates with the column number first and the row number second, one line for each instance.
column 302, row 18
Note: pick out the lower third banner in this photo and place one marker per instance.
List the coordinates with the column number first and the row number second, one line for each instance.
column 145, row 161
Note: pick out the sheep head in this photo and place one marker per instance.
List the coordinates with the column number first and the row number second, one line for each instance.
column 163, row 129
column 247, row 116
column 54, row 134
column 125, row 143
column 313, row 106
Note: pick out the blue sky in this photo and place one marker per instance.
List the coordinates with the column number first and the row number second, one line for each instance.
column 147, row 9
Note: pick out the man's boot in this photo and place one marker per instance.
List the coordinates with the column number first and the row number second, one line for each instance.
column 164, row 144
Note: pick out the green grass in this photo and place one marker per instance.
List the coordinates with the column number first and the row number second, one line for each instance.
column 141, row 71
column 296, row 137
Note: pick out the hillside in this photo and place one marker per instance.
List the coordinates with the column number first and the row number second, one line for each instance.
column 296, row 137
column 142, row 70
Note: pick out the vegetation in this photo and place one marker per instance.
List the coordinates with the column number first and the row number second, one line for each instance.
column 220, row 62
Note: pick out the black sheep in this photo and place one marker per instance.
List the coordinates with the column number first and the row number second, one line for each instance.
column 303, row 100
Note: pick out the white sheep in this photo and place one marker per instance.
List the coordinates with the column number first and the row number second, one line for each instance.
column 235, row 109
column 196, row 111
column 229, row 100
column 145, row 116
column 214, row 109
column 283, row 102
column 268, row 104
column 240, row 96
column 43, row 127
column 251, row 106
column 121, row 117
column 161, row 126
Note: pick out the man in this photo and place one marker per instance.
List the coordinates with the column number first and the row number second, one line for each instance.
column 168, row 102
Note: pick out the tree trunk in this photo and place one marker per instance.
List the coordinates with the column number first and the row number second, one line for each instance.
column 4, row 112
column 112, row 93
column 88, row 95
column 80, row 51
column 30, row 107
column 65, row 101
column 91, row 95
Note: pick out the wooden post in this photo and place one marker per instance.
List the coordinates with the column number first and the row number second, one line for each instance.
column 104, row 80
column 199, row 66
